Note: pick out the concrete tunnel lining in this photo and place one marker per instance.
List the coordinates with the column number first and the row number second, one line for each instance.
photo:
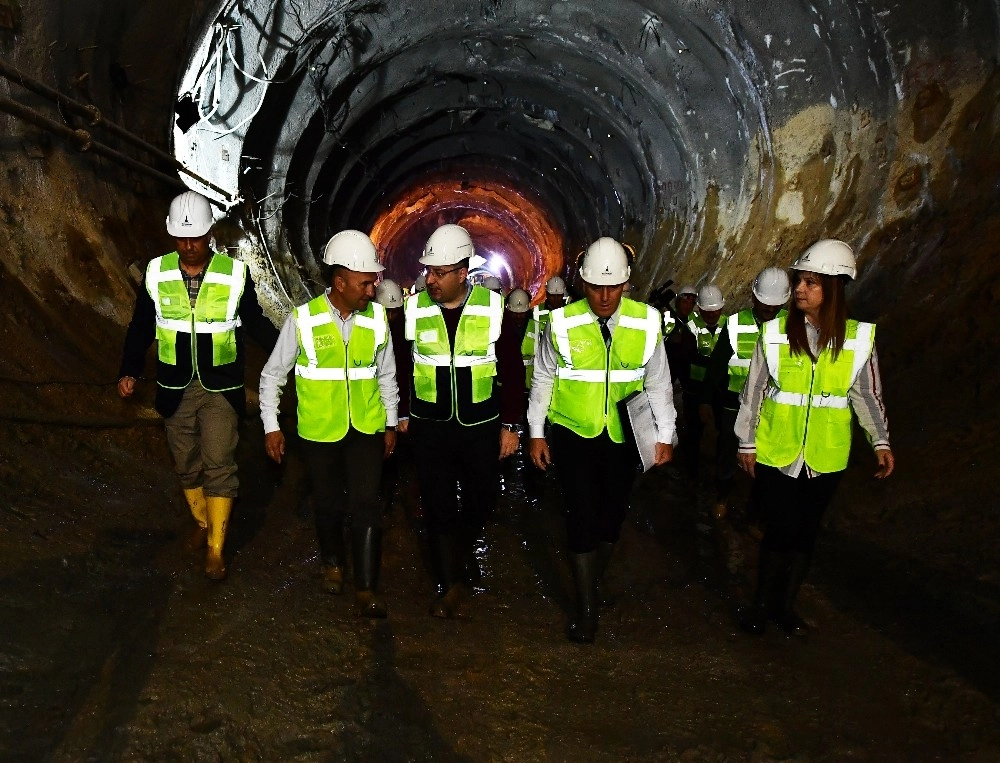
column 688, row 95
column 115, row 645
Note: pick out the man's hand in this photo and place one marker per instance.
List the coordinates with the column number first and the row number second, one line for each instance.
column 126, row 386
column 538, row 451
column 508, row 443
column 390, row 442
column 402, row 426
column 886, row 463
column 747, row 461
column 274, row 444
column 664, row 453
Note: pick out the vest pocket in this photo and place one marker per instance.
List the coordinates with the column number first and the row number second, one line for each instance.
column 482, row 381
column 425, row 382
column 223, row 348
column 166, row 346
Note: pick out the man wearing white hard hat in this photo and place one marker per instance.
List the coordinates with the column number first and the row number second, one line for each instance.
column 705, row 326
column 730, row 363
column 466, row 399
column 811, row 374
column 197, row 304
column 594, row 353
column 555, row 297
column 340, row 348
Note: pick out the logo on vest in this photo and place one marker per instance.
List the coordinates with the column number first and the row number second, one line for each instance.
column 623, row 364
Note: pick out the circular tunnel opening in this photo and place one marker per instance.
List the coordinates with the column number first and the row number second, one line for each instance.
column 515, row 237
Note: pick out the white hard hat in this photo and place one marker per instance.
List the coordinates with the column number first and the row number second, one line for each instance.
column 190, row 216
column 448, row 245
column 518, row 301
column 710, row 298
column 353, row 250
column 555, row 285
column 771, row 287
column 830, row 257
column 388, row 293
column 687, row 289
column 605, row 263
column 493, row 284
column 420, row 283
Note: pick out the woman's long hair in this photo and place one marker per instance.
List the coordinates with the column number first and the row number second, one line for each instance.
column 832, row 317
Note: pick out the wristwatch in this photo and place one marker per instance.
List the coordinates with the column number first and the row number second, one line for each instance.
column 510, row 428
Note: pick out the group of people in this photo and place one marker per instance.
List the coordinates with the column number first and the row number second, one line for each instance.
column 448, row 367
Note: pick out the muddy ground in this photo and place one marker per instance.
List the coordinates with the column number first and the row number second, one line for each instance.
column 115, row 647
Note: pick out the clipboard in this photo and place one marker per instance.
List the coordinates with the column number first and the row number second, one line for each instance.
column 638, row 426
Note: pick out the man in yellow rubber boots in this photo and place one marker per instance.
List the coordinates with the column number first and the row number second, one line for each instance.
column 340, row 346
column 197, row 304
column 594, row 353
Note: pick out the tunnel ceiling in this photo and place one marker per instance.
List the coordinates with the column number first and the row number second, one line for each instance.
column 708, row 135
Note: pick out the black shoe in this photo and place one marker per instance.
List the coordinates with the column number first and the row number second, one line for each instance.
column 792, row 624
column 583, row 626
column 753, row 620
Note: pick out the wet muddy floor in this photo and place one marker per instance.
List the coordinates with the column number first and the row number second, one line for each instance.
column 115, row 647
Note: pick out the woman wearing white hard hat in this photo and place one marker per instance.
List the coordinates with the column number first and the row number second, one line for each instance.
column 594, row 353
column 808, row 373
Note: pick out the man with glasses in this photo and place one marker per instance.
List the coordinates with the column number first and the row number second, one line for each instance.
column 465, row 399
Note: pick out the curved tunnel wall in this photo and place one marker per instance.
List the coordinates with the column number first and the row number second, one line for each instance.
column 739, row 134
column 716, row 138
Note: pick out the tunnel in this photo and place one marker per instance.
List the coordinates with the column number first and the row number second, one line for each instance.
column 716, row 139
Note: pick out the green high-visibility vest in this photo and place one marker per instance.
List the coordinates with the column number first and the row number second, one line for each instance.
column 214, row 311
column 337, row 385
column 590, row 378
column 669, row 324
column 743, row 334
column 705, row 340
column 806, row 406
column 457, row 382
column 536, row 325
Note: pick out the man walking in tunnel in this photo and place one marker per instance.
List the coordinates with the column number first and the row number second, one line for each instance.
column 345, row 379
column 466, row 398
column 197, row 304
column 594, row 353
column 729, row 365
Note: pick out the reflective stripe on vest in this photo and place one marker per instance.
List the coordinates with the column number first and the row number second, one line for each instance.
column 590, row 379
column 743, row 335
column 536, row 325
column 705, row 340
column 337, row 385
column 806, row 407
column 214, row 311
column 669, row 324
column 475, row 344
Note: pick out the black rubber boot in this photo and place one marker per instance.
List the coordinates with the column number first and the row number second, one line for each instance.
column 332, row 554
column 583, row 627
column 787, row 619
column 367, row 543
column 444, row 551
column 604, row 553
column 770, row 577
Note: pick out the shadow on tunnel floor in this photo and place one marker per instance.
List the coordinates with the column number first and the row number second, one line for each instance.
column 942, row 618
column 72, row 670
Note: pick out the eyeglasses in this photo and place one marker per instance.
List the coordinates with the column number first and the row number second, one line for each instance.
column 438, row 273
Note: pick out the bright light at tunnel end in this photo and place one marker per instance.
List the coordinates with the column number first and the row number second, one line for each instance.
column 510, row 230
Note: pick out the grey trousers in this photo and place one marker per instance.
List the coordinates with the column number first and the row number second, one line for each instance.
column 202, row 436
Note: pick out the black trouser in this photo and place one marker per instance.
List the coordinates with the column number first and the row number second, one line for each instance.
column 345, row 477
column 792, row 508
column 454, row 459
column 596, row 476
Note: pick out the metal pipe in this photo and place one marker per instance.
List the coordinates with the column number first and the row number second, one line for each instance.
column 85, row 142
column 93, row 114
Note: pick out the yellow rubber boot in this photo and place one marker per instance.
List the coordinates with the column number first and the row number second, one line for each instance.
column 219, row 509
column 195, row 498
